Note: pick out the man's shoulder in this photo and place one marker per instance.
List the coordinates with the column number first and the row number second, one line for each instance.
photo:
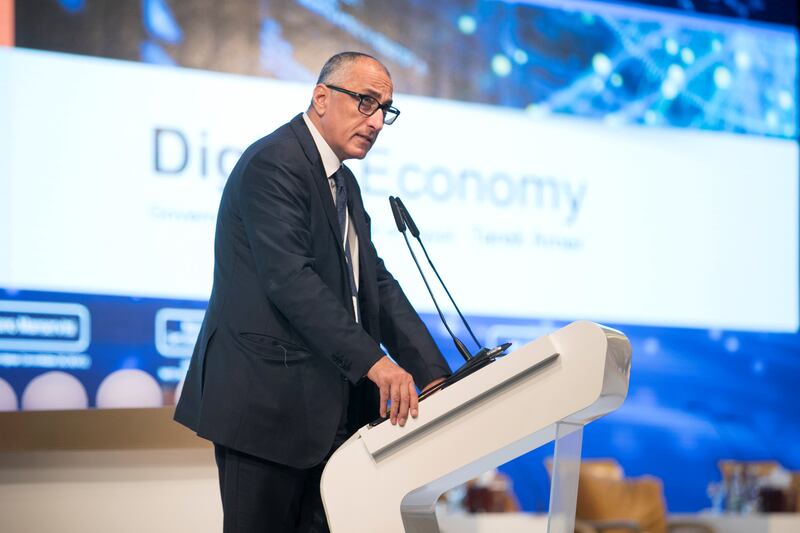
column 281, row 154
column 281, row 143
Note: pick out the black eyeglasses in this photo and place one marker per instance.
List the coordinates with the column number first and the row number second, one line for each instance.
column 367, row 105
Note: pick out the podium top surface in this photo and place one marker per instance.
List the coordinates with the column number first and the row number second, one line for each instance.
column 584, row 367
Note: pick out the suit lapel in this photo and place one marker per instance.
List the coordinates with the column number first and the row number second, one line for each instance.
column 368, row 290
column 300, row 129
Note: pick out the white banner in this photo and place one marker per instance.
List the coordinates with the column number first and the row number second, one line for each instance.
column 112, row 172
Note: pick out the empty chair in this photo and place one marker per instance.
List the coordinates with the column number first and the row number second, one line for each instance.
column 608, row 502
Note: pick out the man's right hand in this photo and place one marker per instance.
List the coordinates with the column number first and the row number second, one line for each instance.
column 396, row 385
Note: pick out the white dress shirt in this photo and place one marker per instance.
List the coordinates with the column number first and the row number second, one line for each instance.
column 331, row 164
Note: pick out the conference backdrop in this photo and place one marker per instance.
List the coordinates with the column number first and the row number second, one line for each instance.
column 631, row 164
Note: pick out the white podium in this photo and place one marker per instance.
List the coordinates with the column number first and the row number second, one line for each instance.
column 388, row 478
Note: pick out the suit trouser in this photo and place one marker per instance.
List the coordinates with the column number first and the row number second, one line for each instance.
column 259, row 496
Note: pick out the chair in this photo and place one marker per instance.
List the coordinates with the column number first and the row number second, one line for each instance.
column 795, row 493
column 610, row 503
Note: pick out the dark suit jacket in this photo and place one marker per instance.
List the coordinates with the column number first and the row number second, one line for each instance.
column 278, row 336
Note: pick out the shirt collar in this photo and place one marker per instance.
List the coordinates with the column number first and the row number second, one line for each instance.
column 329, row 159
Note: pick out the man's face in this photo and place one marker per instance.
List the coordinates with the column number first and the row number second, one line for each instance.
column 348, row 132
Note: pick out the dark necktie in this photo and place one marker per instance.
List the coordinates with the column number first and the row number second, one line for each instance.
column 341, row 212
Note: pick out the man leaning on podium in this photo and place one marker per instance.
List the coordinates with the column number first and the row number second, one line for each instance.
column 288, row 363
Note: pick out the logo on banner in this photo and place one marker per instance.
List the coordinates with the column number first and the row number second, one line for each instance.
column 177, row 331
column 44, row 327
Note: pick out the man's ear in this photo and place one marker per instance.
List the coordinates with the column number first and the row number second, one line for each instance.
column 319, row 99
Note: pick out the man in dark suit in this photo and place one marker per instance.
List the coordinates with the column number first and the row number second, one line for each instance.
column 288, row 362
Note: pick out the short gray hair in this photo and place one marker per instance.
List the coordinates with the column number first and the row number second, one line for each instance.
column 337, row 63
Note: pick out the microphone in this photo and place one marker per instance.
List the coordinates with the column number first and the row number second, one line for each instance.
column 473, row 363
column 401, row 227
column 398, row 217
column 415, row 232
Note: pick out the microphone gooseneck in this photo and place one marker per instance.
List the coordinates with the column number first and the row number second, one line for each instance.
column 473, row 363
column 401, row 226
column 415, row 232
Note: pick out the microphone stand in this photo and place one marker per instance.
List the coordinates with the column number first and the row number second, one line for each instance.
column 401, row 226
column 484, row 356
column 412, row 227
